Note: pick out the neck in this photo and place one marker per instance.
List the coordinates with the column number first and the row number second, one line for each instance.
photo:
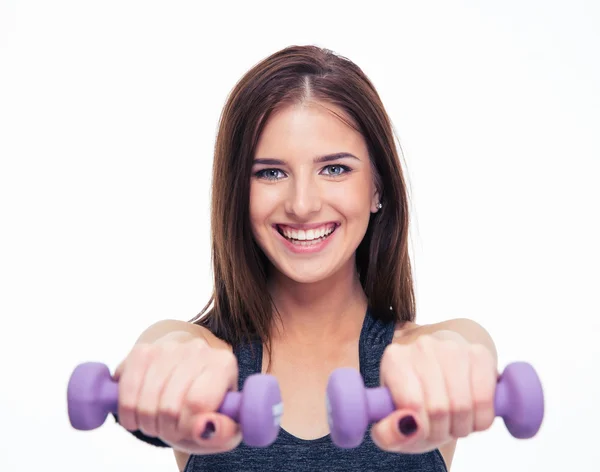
column 329, row 311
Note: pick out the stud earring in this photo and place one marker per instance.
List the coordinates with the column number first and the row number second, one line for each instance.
column 379, row 206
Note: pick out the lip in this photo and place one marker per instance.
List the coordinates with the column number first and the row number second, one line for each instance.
column 313, row 248
column 306, row 227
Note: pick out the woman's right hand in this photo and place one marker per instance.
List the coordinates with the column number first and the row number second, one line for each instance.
column 171, row 389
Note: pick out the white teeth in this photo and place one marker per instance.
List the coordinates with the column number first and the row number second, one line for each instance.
column 308, row 235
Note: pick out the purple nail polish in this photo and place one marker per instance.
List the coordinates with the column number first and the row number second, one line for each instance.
column 407, row 425
column 209, row 430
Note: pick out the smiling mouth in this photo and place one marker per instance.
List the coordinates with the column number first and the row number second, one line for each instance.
column 308, row 237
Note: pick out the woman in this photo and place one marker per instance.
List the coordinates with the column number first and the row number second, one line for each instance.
column 311, row 272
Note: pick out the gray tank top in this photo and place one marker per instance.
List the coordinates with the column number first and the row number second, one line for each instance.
column 289, row 453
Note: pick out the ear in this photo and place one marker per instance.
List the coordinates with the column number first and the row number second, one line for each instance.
column 375, row 201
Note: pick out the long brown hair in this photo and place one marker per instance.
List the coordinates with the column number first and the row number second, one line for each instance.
column 242, row 308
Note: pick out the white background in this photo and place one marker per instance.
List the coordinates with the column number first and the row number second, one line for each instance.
column 108, row 112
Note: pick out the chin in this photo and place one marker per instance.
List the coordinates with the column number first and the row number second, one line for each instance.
column 312, row 272
column 306, row 279
column 305, row 276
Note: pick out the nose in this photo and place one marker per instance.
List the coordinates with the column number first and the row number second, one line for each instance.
column 304, row 198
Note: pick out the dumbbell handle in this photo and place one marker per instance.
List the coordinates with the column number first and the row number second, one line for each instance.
column 523, row 416
column 93, row 394
column 109, row 396
column 380, row 403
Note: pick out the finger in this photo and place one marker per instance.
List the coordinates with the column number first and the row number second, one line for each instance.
column 172, row 398
column 155, row 380
column 201, row 402
column 432, row 380
column 119, row 371
column 455, row 360
column 130, row 384
column 216, row 432
column 399, row 432
column 399, row 377
column 208, row 390
column 483, row 386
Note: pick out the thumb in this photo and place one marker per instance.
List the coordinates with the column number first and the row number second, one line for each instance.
column 216, row 432
column 118, row 371
column 399, row 431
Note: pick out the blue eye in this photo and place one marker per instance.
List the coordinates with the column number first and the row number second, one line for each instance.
column 269, row 174
column 336, row 169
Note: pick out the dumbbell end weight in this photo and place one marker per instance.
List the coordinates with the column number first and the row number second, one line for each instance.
column 519, row 400
column 91, row 395
column 260, row 410
column 347, row 410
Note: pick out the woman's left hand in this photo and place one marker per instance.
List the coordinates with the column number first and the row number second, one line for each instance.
column 443, row 388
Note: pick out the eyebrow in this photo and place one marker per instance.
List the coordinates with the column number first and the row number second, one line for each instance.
column 317, row 160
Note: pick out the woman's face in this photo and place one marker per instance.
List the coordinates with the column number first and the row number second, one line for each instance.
column 311, row 193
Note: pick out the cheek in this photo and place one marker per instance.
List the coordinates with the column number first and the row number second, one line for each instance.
column 261, row 205
column 352, row 201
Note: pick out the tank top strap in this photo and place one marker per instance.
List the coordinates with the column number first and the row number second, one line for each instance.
column 374, row 338
column 249, row 358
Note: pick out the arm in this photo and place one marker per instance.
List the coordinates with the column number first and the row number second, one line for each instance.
column 175, row 330
column 461, row 330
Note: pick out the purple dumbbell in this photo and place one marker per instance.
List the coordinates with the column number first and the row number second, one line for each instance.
column 351, row 407
column 92, row 394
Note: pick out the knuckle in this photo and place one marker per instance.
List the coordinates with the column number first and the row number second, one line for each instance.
column 166, row 348
column 484, row 420
column 142, row 352
column 438, row 412
column 168, row 412
column 452, row 349
column 483, row 403
column 127, row 405
column 198, row 403
column 481, row 354
column 127, row 395
column 412, row 404
column 461, row 431
column 461, row 410
column 146, row 420
column 454, row 354
column 439, row 432
column 226, row 360
column 393, row 355
column 196, row 345
column 425, row 342
column 145, row 414
column 148, row 397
